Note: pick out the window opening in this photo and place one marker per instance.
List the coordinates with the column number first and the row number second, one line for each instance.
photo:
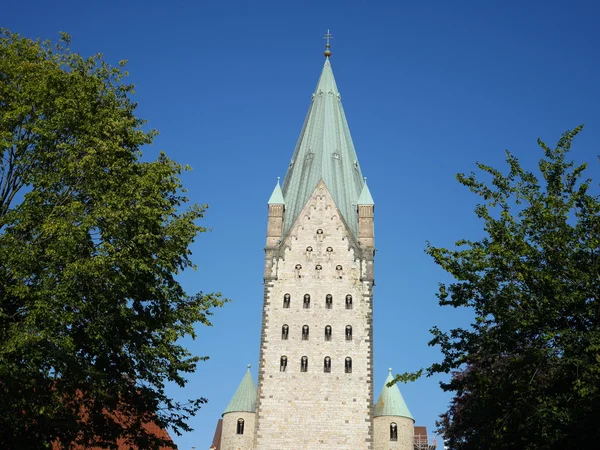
column 393, row 432
column 348, row 333
column 283, row 363
column 286, row 300
column 348, row 301
column 304, row 364
column 285, row 332
column 305, row 333
column 328, row 333
column 327, row 365
column 348, row 365
column 328, row 301
column 240, row 426
column 306, row 303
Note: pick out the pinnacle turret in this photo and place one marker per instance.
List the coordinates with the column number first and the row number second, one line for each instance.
column 277, row 196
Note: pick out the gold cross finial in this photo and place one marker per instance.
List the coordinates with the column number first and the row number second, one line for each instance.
column 327, row 37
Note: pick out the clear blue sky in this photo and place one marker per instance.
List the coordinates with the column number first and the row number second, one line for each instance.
column 429, row 87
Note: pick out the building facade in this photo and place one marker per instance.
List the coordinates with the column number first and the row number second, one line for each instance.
column 315, row 376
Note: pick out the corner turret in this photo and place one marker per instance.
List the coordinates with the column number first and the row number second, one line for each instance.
column 240, row 416
column 392, row 421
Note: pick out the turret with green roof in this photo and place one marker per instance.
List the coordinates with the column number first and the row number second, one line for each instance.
column 244, row 399
column 391, row 402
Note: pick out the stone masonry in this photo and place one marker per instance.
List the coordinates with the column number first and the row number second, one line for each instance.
column 316, row 408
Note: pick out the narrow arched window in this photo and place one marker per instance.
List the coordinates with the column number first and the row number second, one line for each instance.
column 240, row 426
column 304, row 364
column 283, row 363
column 348, row 365
column 306, row 303
column 285, row 331
column 348, row 332
column 327, row 332
column 328, row 301
column 286, row 300
column 393, row 432
column 327, row 364
column 348, row 301
column 305, row 333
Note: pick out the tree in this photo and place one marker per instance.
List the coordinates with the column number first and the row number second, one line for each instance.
column 526, row 374
column 91, row 241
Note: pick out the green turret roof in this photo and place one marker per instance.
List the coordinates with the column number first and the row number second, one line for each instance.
column 324, row 152
column 244, row 398
column 390, row 401
column 277, row 196
column 365, row 196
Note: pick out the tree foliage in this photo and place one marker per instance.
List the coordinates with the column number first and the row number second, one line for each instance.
column 526, row 374
column 91, row 241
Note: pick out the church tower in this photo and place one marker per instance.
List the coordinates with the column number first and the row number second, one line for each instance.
column 315, row 379
column 315, row 375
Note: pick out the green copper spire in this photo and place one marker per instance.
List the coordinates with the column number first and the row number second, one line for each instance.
column 244, row 398
column 277, row 196
column 365, row 195
column 324, row 152
column 390, row 401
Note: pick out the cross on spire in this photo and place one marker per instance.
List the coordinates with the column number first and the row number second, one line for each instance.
column 328, row 36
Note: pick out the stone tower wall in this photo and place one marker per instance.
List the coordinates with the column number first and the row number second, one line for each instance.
column 314, row 409
column 230, row 440
column 405, row 427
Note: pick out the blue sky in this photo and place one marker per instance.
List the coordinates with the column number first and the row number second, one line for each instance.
column 429, row 88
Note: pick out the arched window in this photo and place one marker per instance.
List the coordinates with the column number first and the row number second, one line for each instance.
column 283, row 363
column 286, row 300
column 285, row 331
column 339, row 271
column 348, row 365
column 304, row 364
column 306, row 303
column 328, row 301
column 240, row 426
column 327, row 364
column 348, row 301
column 393, row 432
column 348, row 332
column 305, row 332
column 327, row 333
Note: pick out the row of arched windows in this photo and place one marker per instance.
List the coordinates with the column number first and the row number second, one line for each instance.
column 339, row 269
column 326, row 364
column 287, row 299
column 285, row 332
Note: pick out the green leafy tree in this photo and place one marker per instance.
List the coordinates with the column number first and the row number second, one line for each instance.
column 526, row 373
column 91, row 240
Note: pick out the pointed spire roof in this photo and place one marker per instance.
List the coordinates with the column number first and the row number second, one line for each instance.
column 390, row 401
column 244, row 398
column 277, row 196
column 324, row 152
column 365, row 195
